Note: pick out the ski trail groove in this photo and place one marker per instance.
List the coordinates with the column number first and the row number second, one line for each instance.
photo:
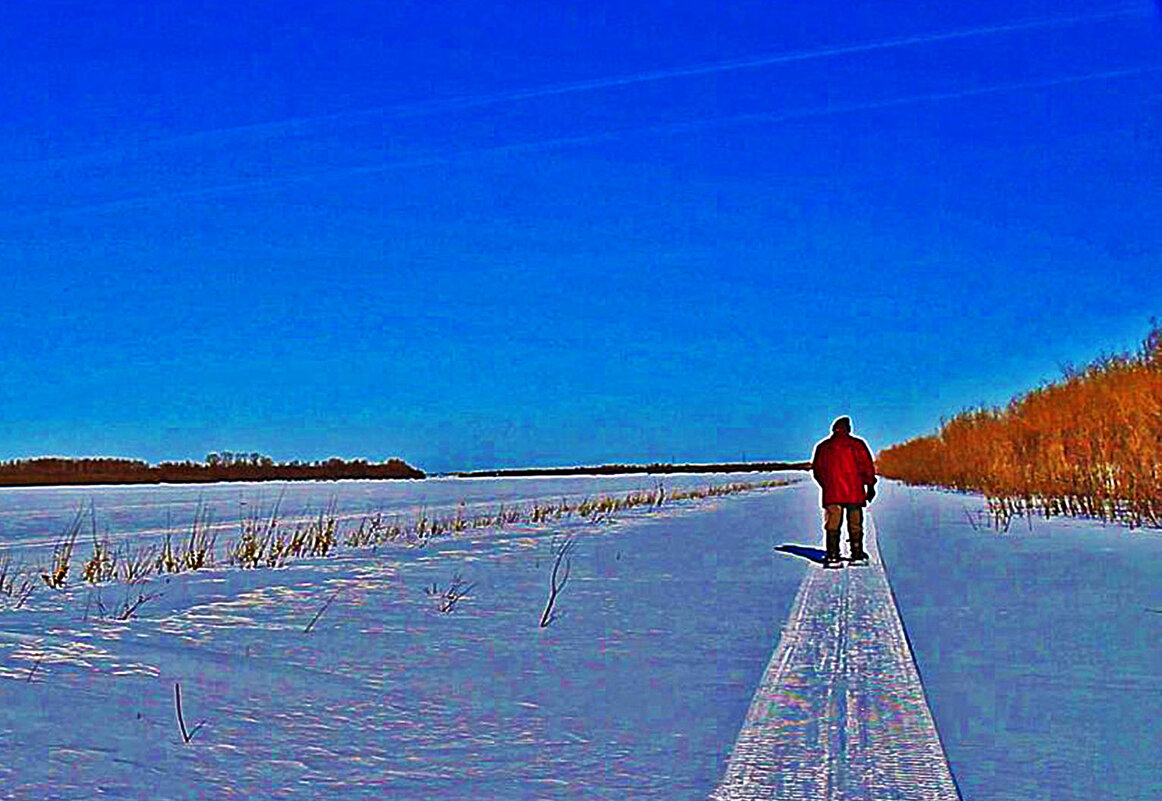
column 840, row 713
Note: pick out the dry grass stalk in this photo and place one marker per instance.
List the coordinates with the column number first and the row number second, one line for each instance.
column 62, row 554
column 15, row 582
column 136, row 565
column 266, row 542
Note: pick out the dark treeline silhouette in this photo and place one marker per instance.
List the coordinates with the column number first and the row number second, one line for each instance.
column 658, row 468
column 224, row 466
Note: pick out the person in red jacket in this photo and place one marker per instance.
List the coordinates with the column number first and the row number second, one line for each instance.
column 843, row 467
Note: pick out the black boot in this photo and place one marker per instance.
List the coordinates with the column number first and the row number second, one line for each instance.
column 858, row 554
column 832, row 557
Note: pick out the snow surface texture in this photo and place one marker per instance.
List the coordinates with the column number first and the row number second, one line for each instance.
column 1040, row 646
column 841, row 712
column 637, row 690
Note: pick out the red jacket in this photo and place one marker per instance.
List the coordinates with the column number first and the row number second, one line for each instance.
column 843, row 467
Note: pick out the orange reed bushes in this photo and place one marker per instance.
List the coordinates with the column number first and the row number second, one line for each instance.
column 1089, row 444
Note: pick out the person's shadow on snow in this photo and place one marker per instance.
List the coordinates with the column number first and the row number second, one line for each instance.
column 811, row 554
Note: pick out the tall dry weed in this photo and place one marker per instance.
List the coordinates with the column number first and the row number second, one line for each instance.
column 1089, row 444
column 62, row 553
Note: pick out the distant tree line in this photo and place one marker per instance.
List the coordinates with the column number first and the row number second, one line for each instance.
column 223, row 466
column 656, row 468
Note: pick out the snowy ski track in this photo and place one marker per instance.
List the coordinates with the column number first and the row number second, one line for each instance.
column 840, row 712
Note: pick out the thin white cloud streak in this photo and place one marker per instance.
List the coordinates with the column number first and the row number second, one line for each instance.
column 649, row 76
column 564, row 142
column 769, row 60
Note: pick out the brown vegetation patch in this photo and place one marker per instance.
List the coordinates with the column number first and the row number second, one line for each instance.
column 1089, row 445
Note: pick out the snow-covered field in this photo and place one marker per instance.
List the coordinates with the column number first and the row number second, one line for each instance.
column 1037, row 649
column 1040, row 647
column 637, row 690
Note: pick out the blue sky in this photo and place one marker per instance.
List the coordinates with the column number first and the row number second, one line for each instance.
column 513, row 233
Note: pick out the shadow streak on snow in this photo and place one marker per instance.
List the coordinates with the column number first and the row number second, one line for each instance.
column 811, row 554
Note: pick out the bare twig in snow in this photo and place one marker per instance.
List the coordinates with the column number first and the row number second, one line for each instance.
column 322, row 609
column 555, row 586
column 447, row 599
column 129, row 608
column 125, row 610
column 177, row 699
